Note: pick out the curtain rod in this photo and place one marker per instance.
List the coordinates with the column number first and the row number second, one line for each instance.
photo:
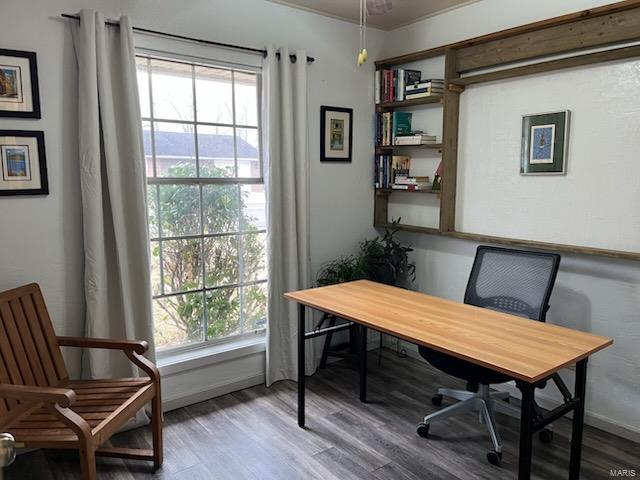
column 257, row 51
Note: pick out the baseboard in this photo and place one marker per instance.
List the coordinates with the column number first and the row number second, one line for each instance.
column 546, row 401
column 207, row 392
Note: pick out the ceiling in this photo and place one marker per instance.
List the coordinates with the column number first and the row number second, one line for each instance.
column 402, row 13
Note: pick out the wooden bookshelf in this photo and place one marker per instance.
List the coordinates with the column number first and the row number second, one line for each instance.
column 415, row 102
column 409, row 228
column 389, row 191
column 538, row 42
column 391, row 148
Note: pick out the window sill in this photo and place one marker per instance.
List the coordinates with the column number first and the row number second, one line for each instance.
column 173, row 363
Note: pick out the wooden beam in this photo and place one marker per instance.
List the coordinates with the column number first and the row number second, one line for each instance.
column 510, row 32
column 450, row 120
column 579, row 35
column 554, row 247
column 551, row 65
column 380, row 209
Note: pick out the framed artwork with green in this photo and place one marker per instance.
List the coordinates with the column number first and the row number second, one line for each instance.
column 544, row 143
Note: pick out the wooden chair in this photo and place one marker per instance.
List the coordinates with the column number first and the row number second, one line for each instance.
column 42, row 408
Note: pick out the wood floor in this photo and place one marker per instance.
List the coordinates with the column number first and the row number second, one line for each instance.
column 253, row 434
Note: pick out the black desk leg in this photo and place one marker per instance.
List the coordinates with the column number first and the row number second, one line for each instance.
column 526, row 430
column 578, row 420
column 363, row 363
column 301, row 339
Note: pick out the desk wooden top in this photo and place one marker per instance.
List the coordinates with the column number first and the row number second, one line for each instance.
column 524, row 349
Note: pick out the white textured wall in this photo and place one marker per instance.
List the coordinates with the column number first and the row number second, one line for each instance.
column 592, row 294
column 41, row 238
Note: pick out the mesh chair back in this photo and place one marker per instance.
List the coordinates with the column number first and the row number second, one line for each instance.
column 512, row 281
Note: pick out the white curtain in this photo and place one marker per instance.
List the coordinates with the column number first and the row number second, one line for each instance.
column 285, row 134
column 112, row 176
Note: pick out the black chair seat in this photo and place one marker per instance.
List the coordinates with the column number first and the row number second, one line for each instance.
column 471, row 373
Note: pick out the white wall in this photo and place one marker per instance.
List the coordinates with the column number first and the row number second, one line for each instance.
column 592, row 294
column 41, row 238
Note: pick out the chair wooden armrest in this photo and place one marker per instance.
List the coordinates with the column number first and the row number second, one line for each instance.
column 61, row 396
column 137, row 346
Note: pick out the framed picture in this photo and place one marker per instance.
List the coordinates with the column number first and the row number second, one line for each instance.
column 336, row 132
column 23, row 165
column 544, row 143
column 19, row 93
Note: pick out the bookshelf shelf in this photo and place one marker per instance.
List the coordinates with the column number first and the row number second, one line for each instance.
column 409, row 228
column 389, row 191
column 388, row 148
column 387, row 106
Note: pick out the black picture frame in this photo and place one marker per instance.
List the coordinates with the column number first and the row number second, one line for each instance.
column 35, row 87
column 42, row 163
column 546, row 154
column 326, row 156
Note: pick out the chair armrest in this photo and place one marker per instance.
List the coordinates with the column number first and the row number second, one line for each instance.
column 137, row 346
column 62, row 396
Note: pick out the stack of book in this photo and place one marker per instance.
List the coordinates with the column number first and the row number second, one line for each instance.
column 406, row 182
column 414, row 139
column 388, row 167
column 390, row 84
column 390, row 125
column 424, row 88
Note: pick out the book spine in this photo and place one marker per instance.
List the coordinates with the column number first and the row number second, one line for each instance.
column 376, row 86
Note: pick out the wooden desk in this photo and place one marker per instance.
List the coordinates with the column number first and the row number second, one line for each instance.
column 527, row 350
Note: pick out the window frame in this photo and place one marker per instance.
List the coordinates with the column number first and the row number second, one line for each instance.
column 200, row 182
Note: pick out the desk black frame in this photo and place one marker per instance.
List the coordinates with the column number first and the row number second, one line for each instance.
column 530, row 420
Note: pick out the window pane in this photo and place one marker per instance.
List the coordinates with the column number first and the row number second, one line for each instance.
column 172, row 85
column 142, row 72
column 178, row 320
column 179, row 210
column 254, row 308
column 148, row 150
column 246, row 92
column 221, row 254
column 155, row 268
column 254, row 207
column 247, row 148
column 254, row 257
column 152, row 211
column 216, row 151
column 221, row 209
column 223, row 310
column 182, row 265
column 175, row 149
column 213, row 95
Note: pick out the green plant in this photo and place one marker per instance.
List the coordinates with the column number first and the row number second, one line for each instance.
column 382, row 259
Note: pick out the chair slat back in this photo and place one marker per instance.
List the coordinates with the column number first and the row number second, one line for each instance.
column 29, row 350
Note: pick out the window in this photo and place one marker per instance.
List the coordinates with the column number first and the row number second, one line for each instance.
column 206, row 200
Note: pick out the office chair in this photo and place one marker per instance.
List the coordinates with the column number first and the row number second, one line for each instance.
column 511, row 281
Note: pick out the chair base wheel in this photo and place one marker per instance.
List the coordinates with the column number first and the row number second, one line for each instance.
column 494, row 458
column 545, row 435
column 423, row 430
column 437, row 399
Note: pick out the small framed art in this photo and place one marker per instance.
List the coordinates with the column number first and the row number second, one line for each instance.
column 336, row 132
column 19, row 91
column 23, row 163
column 544, row 143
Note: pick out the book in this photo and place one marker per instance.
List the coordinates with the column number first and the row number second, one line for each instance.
column 416, row 140
column 389, row 85
column 423, row 94
column 401, row 124
column 437, row 178
column 421, row 85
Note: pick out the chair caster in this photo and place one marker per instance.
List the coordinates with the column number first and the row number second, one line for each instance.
column 494, row 458
column 437, row 399
column 545, row 435
column 423, row 430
